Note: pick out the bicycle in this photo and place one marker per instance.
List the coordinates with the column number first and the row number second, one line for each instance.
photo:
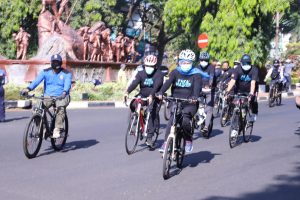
column 138, row 125
column 226, row 111
column 200, row 117
column 175, row 146
column 41, row 126
column 275, row 95
column 240, row 120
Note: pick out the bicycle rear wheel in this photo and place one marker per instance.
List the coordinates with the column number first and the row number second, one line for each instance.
column 132, row 134
column 180, row 150
column 167, row 158
column 59, row 143
column 234, row 129
column 33, row 136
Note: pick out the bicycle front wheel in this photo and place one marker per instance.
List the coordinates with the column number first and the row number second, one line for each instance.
column 59, row 143
column 271, row 98
column 33, row 136
column 224, row 116
column 234, row 129
column 167, row 110
column 167, row 161
column 247, row 132
column 132, row 133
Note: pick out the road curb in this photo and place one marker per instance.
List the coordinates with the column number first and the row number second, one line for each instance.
column 111, row 104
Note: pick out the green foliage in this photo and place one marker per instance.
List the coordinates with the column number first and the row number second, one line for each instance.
column 95, row 11
column 14, row 14
column 234, row 27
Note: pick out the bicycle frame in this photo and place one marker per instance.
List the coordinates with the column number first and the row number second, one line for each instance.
column 173, row 130
column 242, row 106
column 42, row 110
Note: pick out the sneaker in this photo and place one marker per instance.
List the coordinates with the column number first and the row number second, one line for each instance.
column 56, row 133
column 252, row 118
column 205, row 129
column 188, row 146
column 234, row 133
column 162, row 148
column 149, row 141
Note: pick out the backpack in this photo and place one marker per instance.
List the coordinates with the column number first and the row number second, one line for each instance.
column 275, row 74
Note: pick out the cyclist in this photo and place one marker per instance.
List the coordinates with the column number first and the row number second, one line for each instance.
column 185, row 82
column 208, row 83
column 226, row 75
column 276, row 74
column 150, row 81
column 57, row 83
column 244, row 78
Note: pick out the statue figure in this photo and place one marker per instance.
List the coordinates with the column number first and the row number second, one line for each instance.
column 119, row 47
column 55, row 25
column 22, row 42
column 84, row 33
column 130, row 52
column 51, row 3
column 106, row 50
column 95, row 40
column 63, row 7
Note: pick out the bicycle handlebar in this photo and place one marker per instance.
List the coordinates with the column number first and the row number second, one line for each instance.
column 139, row 98
column 29, row 96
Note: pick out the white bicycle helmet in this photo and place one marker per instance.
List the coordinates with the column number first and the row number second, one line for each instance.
column 187, row 55
column 150, row 60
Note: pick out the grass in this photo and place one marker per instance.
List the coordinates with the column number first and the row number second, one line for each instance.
column 110, row 91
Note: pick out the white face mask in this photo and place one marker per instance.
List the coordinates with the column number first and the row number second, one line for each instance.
column 186, row 67
column 246, row 67
column 149, row 70
column 203, row 63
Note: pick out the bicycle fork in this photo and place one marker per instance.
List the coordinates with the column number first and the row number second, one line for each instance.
column 172, row 136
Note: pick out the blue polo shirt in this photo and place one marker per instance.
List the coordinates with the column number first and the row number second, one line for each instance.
column 2, row 77
column 54, row 84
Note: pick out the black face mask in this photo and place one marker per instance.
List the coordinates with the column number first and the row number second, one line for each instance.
column 56, row 65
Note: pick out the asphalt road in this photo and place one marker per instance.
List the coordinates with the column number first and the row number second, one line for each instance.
column 94, row 164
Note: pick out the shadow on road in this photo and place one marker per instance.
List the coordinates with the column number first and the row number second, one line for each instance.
column 255, row 138
column 14, row 119
column 194, row 159
column 214, row 133
column 71, row 146
column 286, row 187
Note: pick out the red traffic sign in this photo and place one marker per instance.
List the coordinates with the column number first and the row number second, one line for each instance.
column 202, row 41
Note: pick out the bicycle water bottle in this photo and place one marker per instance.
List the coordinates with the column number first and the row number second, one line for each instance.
column 243, row 113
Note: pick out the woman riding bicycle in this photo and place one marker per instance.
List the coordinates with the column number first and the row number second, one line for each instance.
column 150, row 81
column 186, row 83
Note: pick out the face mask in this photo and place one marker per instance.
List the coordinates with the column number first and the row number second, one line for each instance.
column 55, row 65
column 203, row 63
column 246, row 67
column 149, row 70
column 186, row 67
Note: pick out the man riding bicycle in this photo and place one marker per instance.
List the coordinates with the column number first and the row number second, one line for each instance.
column 244, row 78
column 185, row 82
column 208, row 83
column 57, row 84
column 150, row 80
column 276, row 74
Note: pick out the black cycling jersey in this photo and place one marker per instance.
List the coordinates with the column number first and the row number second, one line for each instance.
column 206, row 82
column 243, row 79
column 275, row 75
column 149, row 84
column 183, row 86
column 226, row 76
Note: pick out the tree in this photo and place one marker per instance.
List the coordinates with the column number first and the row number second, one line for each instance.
column 16, row 14
column 234, row 27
